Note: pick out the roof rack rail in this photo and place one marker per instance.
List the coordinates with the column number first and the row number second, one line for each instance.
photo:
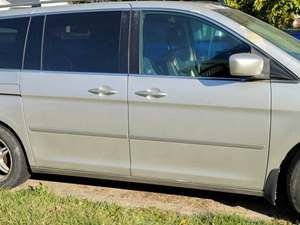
column 40, row 3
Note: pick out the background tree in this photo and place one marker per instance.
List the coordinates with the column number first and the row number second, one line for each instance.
column 279, row 13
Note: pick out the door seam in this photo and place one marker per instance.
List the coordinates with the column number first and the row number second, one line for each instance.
column 127, row 83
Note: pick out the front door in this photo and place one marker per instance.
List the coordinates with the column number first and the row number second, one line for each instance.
column 189, row 120
column 76, row 106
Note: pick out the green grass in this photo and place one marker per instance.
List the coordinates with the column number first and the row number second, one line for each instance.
column 36, row 206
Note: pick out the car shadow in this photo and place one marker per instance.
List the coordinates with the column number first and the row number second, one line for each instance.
column 253, row 203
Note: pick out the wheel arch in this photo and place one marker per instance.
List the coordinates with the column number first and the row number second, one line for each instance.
column 284, row 166
column 276, row 180
column 21, row 141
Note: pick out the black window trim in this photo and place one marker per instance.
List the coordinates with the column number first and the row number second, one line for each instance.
column 124, row 42
column 26, row 42
column 135, row 45
column 42, row 44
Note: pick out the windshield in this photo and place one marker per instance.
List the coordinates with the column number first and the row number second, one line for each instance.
column 279, row 38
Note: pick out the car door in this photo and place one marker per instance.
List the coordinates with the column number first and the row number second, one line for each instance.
column 189, row 120
column 75, row 105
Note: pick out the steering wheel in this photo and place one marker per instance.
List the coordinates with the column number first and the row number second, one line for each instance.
column 171, row 57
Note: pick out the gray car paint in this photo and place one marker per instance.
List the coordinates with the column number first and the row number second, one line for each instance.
column 235, row 159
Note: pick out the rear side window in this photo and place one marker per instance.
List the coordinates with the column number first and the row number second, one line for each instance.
column 12, row 40
column 82, row 42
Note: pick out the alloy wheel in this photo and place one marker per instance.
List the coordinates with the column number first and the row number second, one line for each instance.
column 5, row 160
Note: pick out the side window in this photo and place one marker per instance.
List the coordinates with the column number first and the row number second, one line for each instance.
column 12, row 40
column 82, row 42
column 32, row 58
column 178, row 45
column 213, row 47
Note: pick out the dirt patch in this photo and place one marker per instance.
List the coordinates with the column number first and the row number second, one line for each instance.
column 184, row 201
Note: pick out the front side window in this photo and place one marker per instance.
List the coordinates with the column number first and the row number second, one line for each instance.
column 179, row 45
column 12, row 40
column 82, row 42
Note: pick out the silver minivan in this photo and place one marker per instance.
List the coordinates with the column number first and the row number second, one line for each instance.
column 173, row 93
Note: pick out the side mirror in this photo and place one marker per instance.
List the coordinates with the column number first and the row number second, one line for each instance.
column 246, row 65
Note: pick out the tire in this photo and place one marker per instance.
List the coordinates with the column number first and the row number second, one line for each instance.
column 293, row 183
column 14, row 159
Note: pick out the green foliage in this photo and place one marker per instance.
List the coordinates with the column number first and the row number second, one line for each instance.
column 279, row 13
column 244, row 5
column 36, row 206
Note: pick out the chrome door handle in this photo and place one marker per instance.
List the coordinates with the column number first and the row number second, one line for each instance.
column 151, row 93
column 103, row 90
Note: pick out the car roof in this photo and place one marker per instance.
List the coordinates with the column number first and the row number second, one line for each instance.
column 176, row 4
column 188, row 6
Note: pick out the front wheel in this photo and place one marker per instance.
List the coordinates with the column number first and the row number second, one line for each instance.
column 13, row 165
column 293, row 183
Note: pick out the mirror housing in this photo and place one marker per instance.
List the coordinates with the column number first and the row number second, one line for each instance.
column 246, row 65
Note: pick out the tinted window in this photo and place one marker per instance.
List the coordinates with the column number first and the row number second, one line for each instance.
column 83, row 42
column 12, row 39
column 185, row 46
column 34, row 43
